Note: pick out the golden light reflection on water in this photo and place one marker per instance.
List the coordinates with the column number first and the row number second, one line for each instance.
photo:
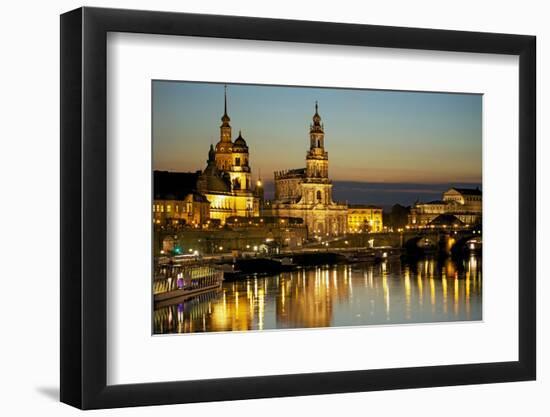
column 407, row 276
column 432, row 293
column 456, row 295
column 344, row 295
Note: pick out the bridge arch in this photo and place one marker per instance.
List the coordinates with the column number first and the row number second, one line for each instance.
column 419, row 243
column 383, row 240
column 461, row 244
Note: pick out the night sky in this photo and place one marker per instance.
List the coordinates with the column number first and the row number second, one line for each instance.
column 384, row 147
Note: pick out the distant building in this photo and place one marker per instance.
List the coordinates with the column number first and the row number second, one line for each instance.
column 193, row 210
column 464, row 199
column 422, row 213
column 306, row 193
column 364, row 218
column 463, row 204
column 175, row 200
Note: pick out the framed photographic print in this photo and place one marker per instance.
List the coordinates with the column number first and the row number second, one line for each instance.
column 257, row 208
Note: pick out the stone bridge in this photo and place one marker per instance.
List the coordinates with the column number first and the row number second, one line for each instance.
column 223, row 241
column 447, row 241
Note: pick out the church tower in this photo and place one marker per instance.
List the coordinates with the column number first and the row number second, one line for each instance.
column 317, row 157
column 317, row 186
column 307, row 192
column 240, row 169
column 224, row 147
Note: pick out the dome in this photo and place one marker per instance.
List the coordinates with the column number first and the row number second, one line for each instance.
column 240, row 144
column 218, row 183
column 212, row 180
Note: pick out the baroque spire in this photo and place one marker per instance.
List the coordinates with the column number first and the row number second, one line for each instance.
column 225, row 117
column 317, row 119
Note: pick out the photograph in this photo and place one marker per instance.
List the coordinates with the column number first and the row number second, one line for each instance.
column 293, row 207
column 275, row 209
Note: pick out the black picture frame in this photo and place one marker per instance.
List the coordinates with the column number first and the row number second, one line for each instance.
column 84, row 207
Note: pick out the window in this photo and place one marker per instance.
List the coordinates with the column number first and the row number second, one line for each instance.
column 238, row 161
column 319, row 197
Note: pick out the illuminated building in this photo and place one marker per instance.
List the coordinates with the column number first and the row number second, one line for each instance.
column 464, row 199
column 226, row 180
column 465, row 204
column 364, row 218
column 192, row 210
column 306, row 193
column 224, row 189
column 175, row 200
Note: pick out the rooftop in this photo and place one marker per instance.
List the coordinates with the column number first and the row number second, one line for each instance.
column 446, row 219
column 364, row 206
column 433, row 202
column 173, row 185
column 467, row 191
column 291, row 173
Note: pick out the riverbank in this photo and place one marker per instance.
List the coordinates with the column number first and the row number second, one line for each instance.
column 242, row 267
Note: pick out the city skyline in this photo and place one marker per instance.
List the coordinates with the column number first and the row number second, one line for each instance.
column 398, row 146
column 318, row 224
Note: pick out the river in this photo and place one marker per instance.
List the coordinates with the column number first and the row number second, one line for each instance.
column 391, row 292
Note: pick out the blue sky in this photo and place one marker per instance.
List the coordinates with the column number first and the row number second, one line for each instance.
column 372, row 136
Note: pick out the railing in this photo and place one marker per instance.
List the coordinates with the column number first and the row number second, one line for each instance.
column 185, row 277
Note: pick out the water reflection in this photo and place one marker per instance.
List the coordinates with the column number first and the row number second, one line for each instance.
column 344, row 295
